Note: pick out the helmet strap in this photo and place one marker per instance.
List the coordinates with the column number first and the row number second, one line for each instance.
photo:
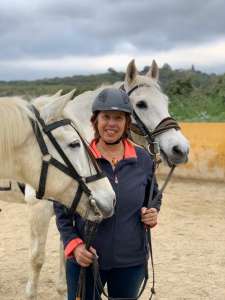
column 114, row 143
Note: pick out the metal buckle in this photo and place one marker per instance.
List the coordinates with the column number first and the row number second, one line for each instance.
column 153, row 148
column 46, row 157
column 98, row 214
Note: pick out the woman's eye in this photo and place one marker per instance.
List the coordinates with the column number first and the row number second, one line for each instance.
column 142, row 104
column 74, row 144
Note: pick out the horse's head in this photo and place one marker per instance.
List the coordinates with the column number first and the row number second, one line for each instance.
column 151, row 105
column 43, row 148
column 70, row 139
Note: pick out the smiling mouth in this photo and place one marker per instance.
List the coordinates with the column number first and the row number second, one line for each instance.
column 109, row 131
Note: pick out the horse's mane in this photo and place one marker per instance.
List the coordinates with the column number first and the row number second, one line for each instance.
column 14, row 115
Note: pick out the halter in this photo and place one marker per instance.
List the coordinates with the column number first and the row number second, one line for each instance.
column 68, row 168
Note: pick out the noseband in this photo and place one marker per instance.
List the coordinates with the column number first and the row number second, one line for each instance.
column 40, row 128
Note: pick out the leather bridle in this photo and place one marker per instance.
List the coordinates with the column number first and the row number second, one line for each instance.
column 141, row 129
column 40, row 128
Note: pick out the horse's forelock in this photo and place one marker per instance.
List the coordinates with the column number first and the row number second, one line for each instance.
column 144, row 79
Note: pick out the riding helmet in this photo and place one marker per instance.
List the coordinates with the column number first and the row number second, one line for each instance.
column 112, row 99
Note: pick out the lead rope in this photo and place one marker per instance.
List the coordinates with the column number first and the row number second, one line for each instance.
column 151, row 203
column 90, row 230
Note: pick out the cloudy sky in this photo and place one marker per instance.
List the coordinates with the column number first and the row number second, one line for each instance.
column 48, row 38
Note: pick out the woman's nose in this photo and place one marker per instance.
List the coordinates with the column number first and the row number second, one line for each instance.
column 111, row 122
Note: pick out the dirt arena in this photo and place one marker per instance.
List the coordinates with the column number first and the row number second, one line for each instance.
column 188, row 246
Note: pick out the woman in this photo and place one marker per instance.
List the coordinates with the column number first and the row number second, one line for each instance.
column 120, row 243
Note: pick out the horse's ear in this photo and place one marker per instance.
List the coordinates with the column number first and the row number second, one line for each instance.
column 131, row 72
column 154, row 71
column 57, row 94
column 70, row 94
column 54, row 109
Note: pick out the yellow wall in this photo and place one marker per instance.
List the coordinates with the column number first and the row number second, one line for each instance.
column 207, row 152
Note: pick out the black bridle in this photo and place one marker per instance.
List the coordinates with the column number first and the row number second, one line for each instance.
column 40, row 128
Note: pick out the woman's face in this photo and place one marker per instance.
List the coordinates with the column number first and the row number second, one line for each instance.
column 111, row 125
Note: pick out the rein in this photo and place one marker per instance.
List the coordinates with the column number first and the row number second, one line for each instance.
column 153, row 148
column 39, row 126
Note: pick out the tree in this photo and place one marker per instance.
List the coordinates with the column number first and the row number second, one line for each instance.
column 166, row 67
column 112, row 71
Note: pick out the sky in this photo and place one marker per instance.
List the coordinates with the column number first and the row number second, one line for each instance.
column 55, row 38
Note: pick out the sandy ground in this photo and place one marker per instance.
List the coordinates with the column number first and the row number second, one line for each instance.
column 188, row 244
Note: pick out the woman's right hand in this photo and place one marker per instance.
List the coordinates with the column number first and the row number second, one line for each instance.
column 83, row 256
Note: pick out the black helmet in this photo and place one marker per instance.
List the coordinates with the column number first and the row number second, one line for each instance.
column 112, row 99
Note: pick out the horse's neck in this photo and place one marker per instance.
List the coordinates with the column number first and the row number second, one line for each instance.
column 12, row 166
column 10, row 171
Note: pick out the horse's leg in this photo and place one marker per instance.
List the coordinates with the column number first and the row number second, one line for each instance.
column 61, row 284
column 40, row 215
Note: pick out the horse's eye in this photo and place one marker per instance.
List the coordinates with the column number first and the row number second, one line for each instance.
column 142, row 104
column 74, row 144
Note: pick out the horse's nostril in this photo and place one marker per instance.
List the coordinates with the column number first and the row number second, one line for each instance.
column 177, row 150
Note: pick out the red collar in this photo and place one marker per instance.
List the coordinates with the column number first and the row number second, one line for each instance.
column 129, row 149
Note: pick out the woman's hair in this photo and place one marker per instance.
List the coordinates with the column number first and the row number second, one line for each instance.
column 94, row 122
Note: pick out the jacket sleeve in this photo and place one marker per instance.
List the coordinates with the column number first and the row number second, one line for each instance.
column 67, row 228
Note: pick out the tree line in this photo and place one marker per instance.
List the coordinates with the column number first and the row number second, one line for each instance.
column 193, row 95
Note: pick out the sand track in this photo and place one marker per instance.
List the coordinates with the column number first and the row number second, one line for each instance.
column 188, row 244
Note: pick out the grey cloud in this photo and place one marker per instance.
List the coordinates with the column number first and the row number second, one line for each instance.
column 55, row 28
column 94, row 27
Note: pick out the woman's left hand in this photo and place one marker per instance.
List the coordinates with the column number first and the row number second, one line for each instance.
column 149, row 216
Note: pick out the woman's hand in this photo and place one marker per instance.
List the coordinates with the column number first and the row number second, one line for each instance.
column 149, row 216
column 83, row 256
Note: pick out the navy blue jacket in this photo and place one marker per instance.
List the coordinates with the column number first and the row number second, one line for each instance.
column 121, row 240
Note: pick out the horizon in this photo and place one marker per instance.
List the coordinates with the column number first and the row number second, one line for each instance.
column 116, row 70
column 51, row 38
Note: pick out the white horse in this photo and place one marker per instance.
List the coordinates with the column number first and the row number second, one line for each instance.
column 152, row 106
column 21, row 158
